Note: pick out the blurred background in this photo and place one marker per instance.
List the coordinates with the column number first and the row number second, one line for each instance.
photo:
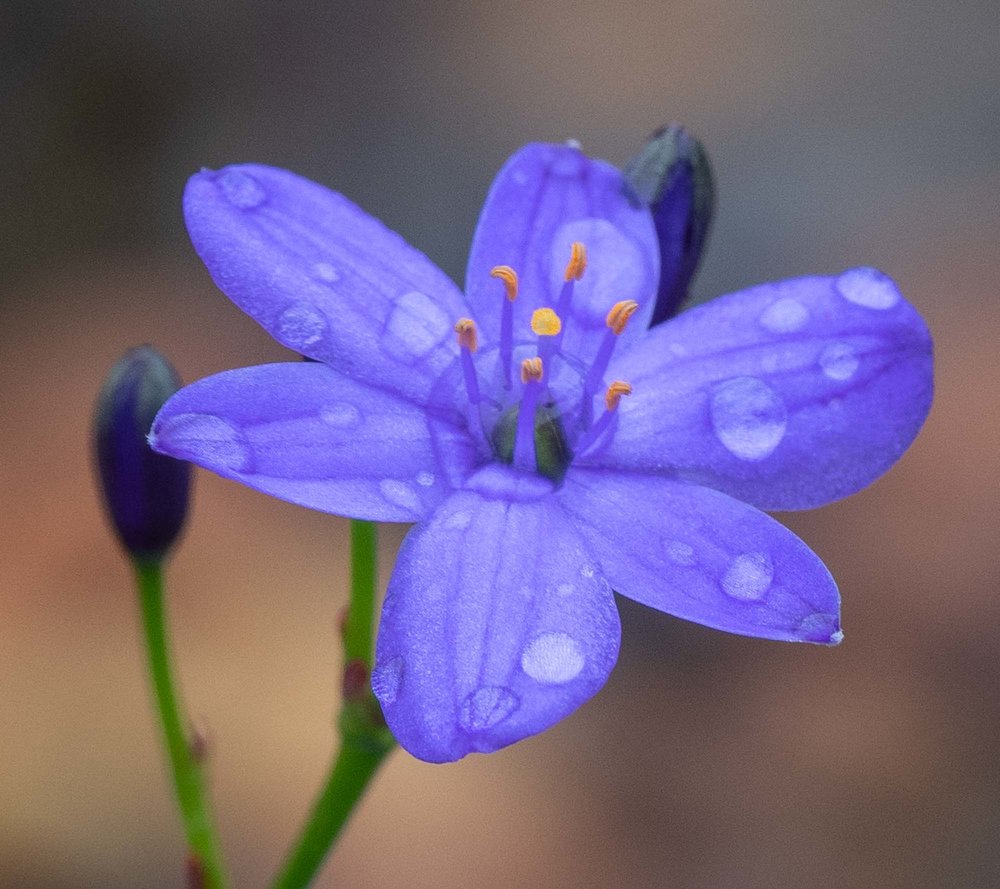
column 842, row 133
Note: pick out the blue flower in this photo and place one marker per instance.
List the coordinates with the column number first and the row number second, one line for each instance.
column 548, row 445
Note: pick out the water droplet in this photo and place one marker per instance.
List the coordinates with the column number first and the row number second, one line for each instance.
column 748, row 576
column 574, row 143
column 386, row 680
column 301, row 325
column 553, row 659
column 587, row 571
column 241, row 189
column 520, row 177
column 680, row 553
column 565, row 589
column 426, row 479
column 868, row 287
column 749, row 417
column 458, row 521
column 416, row 325
column 206, row 440
column 400, row 494
column 486, row 707
column 839, row 361
column 820, row 627
column 326, row 272
column 785, row 316
column 341, row 414
column 678, row 349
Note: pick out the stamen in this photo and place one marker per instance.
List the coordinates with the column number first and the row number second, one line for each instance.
column 545, row 322
column 620, row 313
column 524, row 444
column 467, row 337
column 611, row 400
column 468, row 342
column 531, row 370
column 577, row 262
column 509, row 277
column 614, row 394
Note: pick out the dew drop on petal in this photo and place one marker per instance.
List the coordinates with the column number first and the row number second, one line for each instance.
column 301, row 325
column 486, row 707
column 749, row 418
column 784, row 316
column 565, row 589
column 839, row 361
column 341, row 415
column 748, row 576
column 458, row 521
column 819, row 627
column 241, row 189
column 415, row 326
column 326, row 272
column 553, row 659
column 425, row 479
column 587, row 571
column 207, row 440
column 680, row 553
column 386, row 680
column 868, row 287
column 400, row 494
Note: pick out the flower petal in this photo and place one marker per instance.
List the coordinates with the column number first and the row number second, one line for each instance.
column 787, row 395
column 700, row 555
column 309, row 435
column 495, row 626
column 324, row 278
column 545, row 198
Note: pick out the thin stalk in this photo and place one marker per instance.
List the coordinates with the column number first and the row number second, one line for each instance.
column 188, row 773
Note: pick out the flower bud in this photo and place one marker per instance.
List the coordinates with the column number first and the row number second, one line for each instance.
column 145, row 493
column 671, row 175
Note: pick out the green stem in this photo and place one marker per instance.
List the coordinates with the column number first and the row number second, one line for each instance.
column 188, row 775
column 364, row 739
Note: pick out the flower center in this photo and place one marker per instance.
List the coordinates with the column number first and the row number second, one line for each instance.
column 537, row 426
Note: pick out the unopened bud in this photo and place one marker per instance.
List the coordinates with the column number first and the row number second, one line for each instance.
column 672, row 176
column 145, row 493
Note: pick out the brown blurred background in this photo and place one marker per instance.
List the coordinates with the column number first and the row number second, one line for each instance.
column 841, row 134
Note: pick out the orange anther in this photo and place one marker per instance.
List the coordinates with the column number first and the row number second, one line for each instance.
column 577, row 264
column 531, row 370
column 615, row 392
column 466, row 330
column 545, row 322
column 509, row 277
column 620, row 313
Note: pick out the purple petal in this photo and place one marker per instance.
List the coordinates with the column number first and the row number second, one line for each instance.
column 700, row 555
column 545, row 198
column 787, row 395
column 495, row 626
column 324, row 278
column 309, row 435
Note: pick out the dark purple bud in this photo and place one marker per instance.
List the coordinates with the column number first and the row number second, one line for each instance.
column 672, row 175
column 146, row 494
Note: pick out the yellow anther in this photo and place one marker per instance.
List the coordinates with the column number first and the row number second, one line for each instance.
column 509, row 277
column 614, row 394
column 466, row 330
column 545, row 322
column 531, row 370
column 620, row 313
column 577, row 264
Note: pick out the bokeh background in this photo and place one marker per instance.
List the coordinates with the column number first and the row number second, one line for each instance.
column 842, row 133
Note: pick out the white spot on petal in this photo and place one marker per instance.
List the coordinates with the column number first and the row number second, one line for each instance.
column 458, row 521
column 400, row 494
column 565, row 589
column 839, row 361
column 386, row 679
column 680, row 553
column 415, row 326
column 425, row 479
column 785, row 315
column 326, row 272
column 749, row 418
column 553, row 659
column 301, row 325
column 868, row 287
column 341, row 415
column 241, row 189
column 748, row 577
